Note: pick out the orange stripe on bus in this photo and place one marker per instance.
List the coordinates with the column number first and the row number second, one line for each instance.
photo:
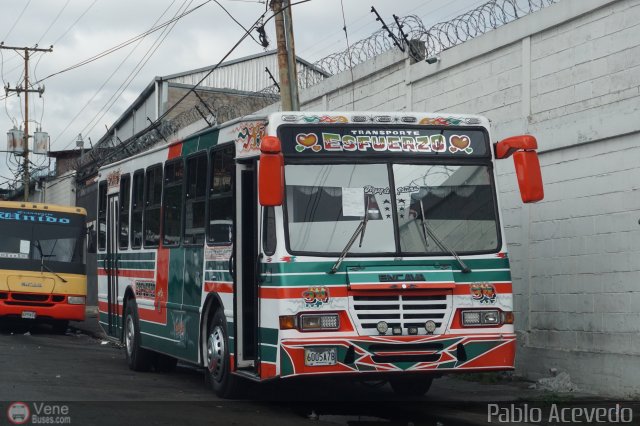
column 175, row 151
column 210, row 286
column 267, row 370
column 296, row 292
column 132, row 273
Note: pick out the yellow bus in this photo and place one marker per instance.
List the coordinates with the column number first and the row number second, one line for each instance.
column 42, row 268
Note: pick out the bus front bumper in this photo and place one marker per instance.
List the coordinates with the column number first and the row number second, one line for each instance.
column 395, row 354
column 49, row 309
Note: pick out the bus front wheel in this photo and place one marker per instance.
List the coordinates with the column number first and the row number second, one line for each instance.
column 218, row 360
column 139, row 359
column 411, row 386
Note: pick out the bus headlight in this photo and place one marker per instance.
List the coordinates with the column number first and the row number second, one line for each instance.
column 382, row 327
column 76, row 300
column 319, row 322
column 430, row 326
column 481, row 317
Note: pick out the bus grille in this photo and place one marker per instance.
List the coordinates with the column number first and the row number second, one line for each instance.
column 404, row 310
column 30, row 297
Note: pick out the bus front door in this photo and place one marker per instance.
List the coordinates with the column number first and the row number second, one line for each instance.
column 111, row 267
column 246, row 255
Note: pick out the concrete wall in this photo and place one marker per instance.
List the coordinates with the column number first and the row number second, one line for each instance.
column 60, row 190
column 570, row 75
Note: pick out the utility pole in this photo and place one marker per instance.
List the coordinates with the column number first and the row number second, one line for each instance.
column 25, row 154
column 286, row 55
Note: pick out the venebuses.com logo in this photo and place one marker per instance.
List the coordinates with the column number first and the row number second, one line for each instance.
column 20, row 413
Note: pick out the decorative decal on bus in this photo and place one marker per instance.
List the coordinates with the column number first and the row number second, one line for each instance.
column 248, row 136
column 315, row 297
column 483, row 293
column 460, row 143
column 449, row 121
column 113, row 179
column 146, row 289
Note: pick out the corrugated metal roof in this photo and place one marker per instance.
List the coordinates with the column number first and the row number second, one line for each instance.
column 246, row 74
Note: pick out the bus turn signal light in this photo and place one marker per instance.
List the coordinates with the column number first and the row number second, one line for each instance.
column 287, row 322
column 507, row 317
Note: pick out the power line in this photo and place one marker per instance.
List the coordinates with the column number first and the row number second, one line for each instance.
column 346, row 36
column 74, row 22
column 122, row 147
column 236, row 21
column 106, row 81
column 134, row 72
column 124, row 43
column 52, row 23
column 17, row 20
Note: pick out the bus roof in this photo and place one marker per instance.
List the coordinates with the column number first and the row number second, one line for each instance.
column 42, row 207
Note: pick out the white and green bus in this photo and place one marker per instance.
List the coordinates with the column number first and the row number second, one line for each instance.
column 359, row 245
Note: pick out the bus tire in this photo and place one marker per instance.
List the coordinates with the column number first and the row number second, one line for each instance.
column 60, row 326
column 138, row 359
column 217, row 359
column 411, row 386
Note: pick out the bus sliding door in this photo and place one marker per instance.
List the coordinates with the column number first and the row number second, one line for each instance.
column 111, row 267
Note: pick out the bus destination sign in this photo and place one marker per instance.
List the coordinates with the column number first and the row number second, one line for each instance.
column 309, row 141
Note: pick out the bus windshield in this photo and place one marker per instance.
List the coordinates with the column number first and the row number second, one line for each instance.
column 325, row 203
column 31, row 238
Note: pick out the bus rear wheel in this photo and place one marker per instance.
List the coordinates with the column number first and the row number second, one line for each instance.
column 138, row 359
column 411, row 386
column 218, row 360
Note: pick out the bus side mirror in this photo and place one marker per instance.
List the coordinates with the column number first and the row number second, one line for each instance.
column 526, row 164
column 271, row 172
column 91, row 240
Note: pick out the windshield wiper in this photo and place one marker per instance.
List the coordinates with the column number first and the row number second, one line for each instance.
column 42, row 264
column 361, row 229
column 427, row 230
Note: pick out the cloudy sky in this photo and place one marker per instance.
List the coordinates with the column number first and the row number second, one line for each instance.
column 88, row 98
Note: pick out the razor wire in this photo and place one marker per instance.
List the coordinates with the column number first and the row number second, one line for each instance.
column 431, row 41
column 215, row 110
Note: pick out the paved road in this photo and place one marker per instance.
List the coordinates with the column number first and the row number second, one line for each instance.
column 91, row 377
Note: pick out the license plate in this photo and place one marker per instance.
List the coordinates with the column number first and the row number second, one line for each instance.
column 320, row 356
column 28, row 315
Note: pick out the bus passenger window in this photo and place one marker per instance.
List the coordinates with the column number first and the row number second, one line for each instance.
column 172, row 203
column 152, row 199
column 102, row 215
column 137, row 206
column 221, row 197
column 195, row 199
column 123, row 222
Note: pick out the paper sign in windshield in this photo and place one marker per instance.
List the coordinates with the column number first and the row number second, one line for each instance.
column 353, row 202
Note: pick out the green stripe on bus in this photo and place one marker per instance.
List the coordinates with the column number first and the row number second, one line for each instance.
column 131, row 256
column 217, row 276
column 327, row 280
column 325, row 266
column 268, row 353
column 217, row 265
column 133, row 265
column 201, row 142
column 269, row 335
